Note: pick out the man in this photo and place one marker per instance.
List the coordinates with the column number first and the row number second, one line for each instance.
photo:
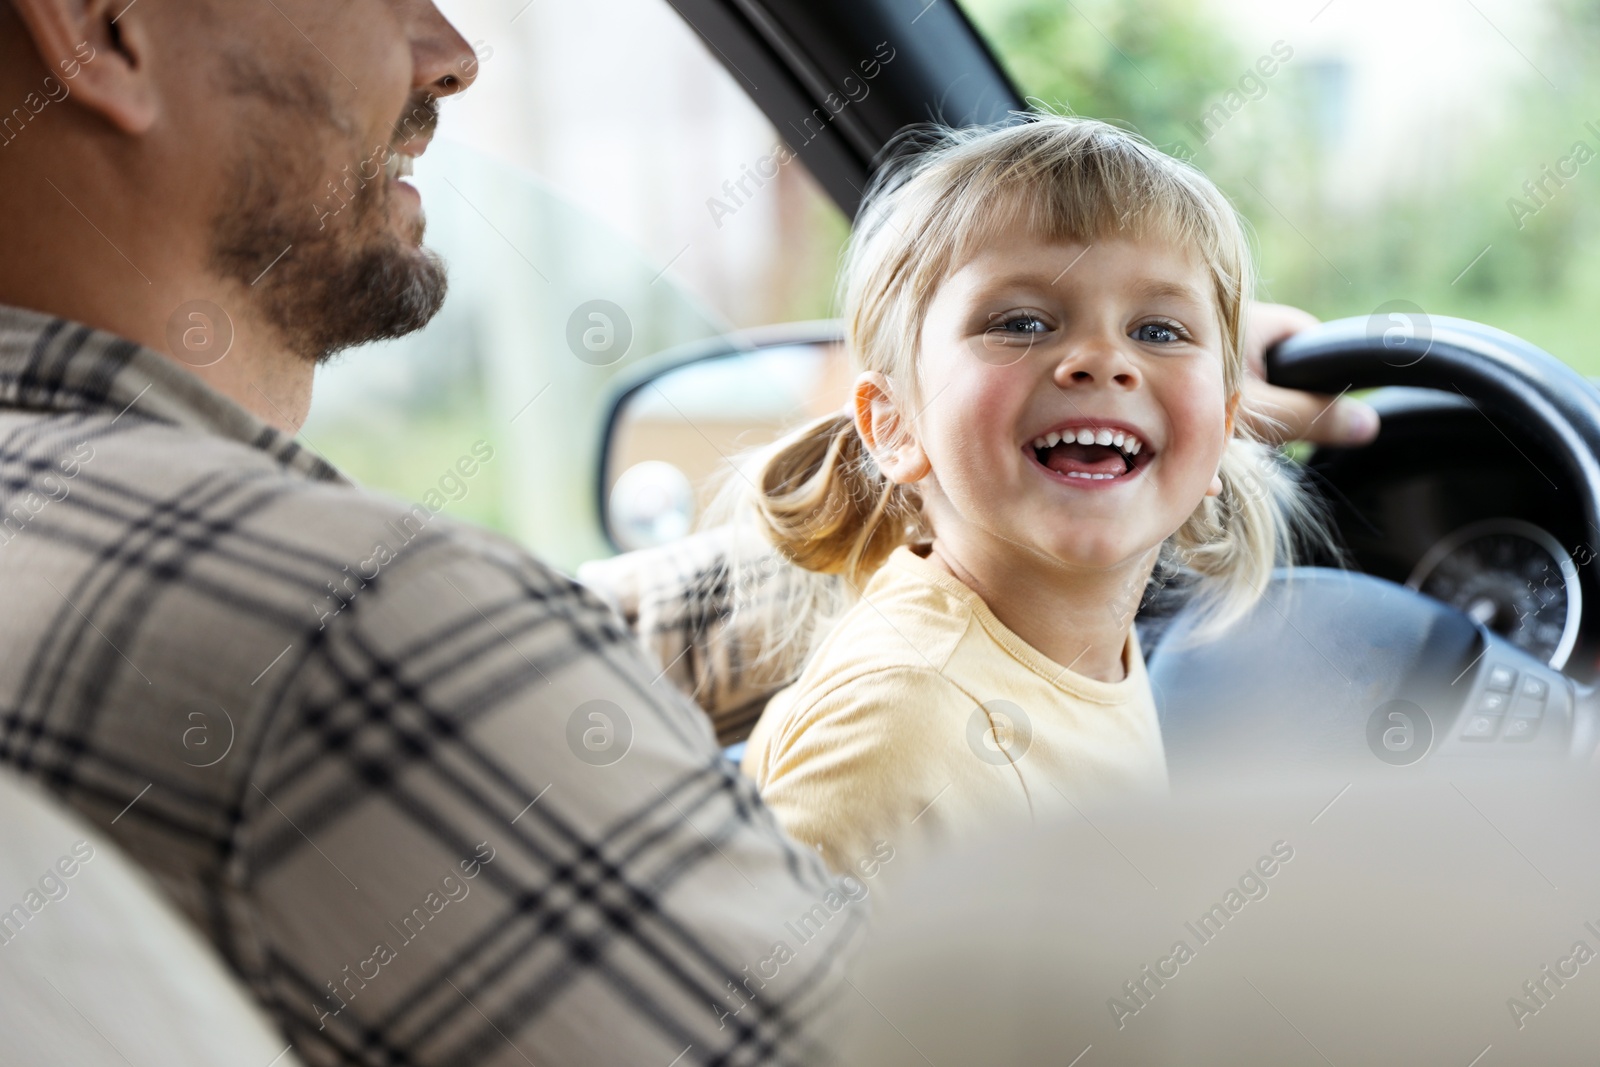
column 458, row 819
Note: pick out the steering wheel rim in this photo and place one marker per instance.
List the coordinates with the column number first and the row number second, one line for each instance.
column 1519, row 380
column 1226, row 699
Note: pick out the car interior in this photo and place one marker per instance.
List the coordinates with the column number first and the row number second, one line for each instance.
column 1442, row 671
column 1451, row 639
column 1459, row 592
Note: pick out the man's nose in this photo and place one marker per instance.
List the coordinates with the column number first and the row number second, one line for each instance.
column 444, row 62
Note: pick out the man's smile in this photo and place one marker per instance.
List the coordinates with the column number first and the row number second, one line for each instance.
column 399, row 165
column 412, row 135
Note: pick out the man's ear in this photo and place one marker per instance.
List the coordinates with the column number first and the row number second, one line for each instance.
column 883, row 426
column 100, row 50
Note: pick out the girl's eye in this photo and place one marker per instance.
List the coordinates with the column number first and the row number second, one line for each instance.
column 1020, row 325
column 1158, row 333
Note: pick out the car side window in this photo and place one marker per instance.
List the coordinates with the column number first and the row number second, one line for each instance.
column 595, row 207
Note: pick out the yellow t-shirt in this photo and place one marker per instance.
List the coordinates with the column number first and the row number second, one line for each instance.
column 921, row 716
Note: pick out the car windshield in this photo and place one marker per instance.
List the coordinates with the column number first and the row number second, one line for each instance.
column 1436, row 157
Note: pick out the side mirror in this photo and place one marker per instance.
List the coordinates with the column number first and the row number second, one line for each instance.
column 679, row 421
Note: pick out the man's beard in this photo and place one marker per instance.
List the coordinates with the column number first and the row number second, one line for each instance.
column 326, row 271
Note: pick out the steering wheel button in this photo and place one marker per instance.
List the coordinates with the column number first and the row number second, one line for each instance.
column 1534, row 687
column 1481, row 727
column 1521, row 728
column 1501, row 677
column 1494, row 703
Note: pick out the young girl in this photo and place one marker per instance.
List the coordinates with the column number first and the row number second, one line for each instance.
column 1047, row 322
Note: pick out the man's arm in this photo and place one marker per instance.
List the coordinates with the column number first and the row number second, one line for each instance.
column 486, row 832
column 679, row 602
column 1291, row 414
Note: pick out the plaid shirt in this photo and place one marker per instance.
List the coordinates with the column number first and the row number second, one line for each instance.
column 425, row 794
column 678, row 599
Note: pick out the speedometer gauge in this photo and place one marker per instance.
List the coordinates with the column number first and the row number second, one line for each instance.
column 1512, row 577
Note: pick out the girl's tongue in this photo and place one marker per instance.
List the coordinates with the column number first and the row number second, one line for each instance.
column 1084, row 459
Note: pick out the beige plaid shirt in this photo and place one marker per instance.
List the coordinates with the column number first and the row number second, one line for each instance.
column 424, row 793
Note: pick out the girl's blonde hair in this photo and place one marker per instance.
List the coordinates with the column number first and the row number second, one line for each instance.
column 818, row 496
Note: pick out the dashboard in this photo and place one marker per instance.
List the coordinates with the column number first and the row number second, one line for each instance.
column 1456, row 502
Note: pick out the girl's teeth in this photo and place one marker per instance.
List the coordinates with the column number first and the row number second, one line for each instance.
column 1116, row 438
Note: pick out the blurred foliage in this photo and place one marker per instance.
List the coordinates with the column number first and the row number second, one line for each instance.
column 1157, row 65
column 1142, row 64
column 422, row 459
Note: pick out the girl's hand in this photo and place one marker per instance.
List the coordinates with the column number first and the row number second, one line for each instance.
column 1313, row 417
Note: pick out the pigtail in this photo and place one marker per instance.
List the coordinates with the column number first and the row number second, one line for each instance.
column 814, row 517
column 824, row 504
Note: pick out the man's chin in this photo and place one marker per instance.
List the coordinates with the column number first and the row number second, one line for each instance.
column 329, row 303
column 325, row 288
column 384, row 293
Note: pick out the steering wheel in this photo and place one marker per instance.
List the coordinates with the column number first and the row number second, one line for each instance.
column 1339, row 667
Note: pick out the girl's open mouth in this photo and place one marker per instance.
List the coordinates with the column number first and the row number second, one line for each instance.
column 1090, row 459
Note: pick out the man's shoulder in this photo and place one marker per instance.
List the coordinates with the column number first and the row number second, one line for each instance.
column 159, row 583
column 219, row 538
column 288, row 494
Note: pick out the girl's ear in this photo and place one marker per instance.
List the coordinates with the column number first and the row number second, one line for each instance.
column 1233, row 409
column 884, row 429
